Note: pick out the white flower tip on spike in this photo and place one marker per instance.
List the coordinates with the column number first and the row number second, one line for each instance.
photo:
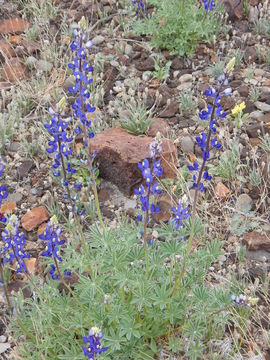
column 89, row 44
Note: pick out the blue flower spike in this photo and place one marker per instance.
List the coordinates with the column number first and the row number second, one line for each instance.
column 149, row 173
column 52, row 236
column 180, row 214
column 140, row 7
column 209, row 5
column 14, row 242
column 211, row 114
column 94, row 347
column 82, row 73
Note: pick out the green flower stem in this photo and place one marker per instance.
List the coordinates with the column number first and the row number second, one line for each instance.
column 79, row 226
column 65, row 177
column 5, row 286
column 84, row 244
column 90, row 160
column 145, row 235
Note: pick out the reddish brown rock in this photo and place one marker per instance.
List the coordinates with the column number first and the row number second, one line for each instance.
column 14, row 70
column 257, row 241
column 166, row 204
column 6, row 50
column 34, row 218
column 8, row 207
column 14, row 25
column 170, row 110
column 235, row 8
column 15, row 39
column 41, row 228
column 119, row 152
column 158, row 125
column 221, row 190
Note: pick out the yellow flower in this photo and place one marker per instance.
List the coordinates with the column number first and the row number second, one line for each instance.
column 238, row 108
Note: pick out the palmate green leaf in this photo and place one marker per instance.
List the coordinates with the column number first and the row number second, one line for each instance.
column 114, row 340
column 129, row 327
column 161, row 297
column 174, row 344
column 142, row 295
column 172, row 248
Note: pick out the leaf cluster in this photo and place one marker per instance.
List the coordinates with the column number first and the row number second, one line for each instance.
column 138, row 314
column 179, row 26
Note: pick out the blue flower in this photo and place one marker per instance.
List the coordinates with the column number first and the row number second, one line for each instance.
column 93, row 347
column 195, row 167
column 215, row 144
column 143, row 165
column 212, row 126
column 157, row 169
column 201, row 140
column 2, row 168
column 52, row 272
column 206, row 176
column 180, row 214
column 155, row 208
column 155, row 189
column 140, row 7
column 220, row 113
column 209, row 4
column 204, row 115
column 211, row 92
column 3, row 193
column 144, row 202
column 148, row 177
column 139, row 191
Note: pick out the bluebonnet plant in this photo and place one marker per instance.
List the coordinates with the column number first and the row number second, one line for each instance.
column 14, row 243
column 82, row 108
column 206, row 141
column 94, row 348
column 212, row 112
column 209, row 5
column 52, row 236
column 3, row 193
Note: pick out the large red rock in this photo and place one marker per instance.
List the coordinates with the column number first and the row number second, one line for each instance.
column 14, row 70
column 14, row 25
column 119, row 153
column 34, row 218
column 257, row 241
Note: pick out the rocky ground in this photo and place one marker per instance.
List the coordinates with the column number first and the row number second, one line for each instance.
column 34, row 53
